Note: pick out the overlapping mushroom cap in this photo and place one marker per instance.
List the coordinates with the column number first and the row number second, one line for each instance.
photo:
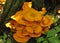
column 28, row 23
column 46, row 21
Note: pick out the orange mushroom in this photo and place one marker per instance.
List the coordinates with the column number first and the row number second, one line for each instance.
column 34, row 30
column 35, row 34
column 19, row 27
column 20, row 39
column 43, row 11
column 32, row 15
column 18, row 17
column 45, row 29
column 25, row 23
column 27, row 5
column 46, row 21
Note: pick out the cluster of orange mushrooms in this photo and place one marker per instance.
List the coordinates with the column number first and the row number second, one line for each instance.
column 28, row 23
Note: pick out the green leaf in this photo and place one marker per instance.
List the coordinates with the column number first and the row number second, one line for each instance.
column 51, row 33
column 1, row 37
column 1, row 40
column 8, row 40
column 53, row 40
column 40, row 39
column 5, row 36
column 57, row 28
column 55, row 19
column 45, row 41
